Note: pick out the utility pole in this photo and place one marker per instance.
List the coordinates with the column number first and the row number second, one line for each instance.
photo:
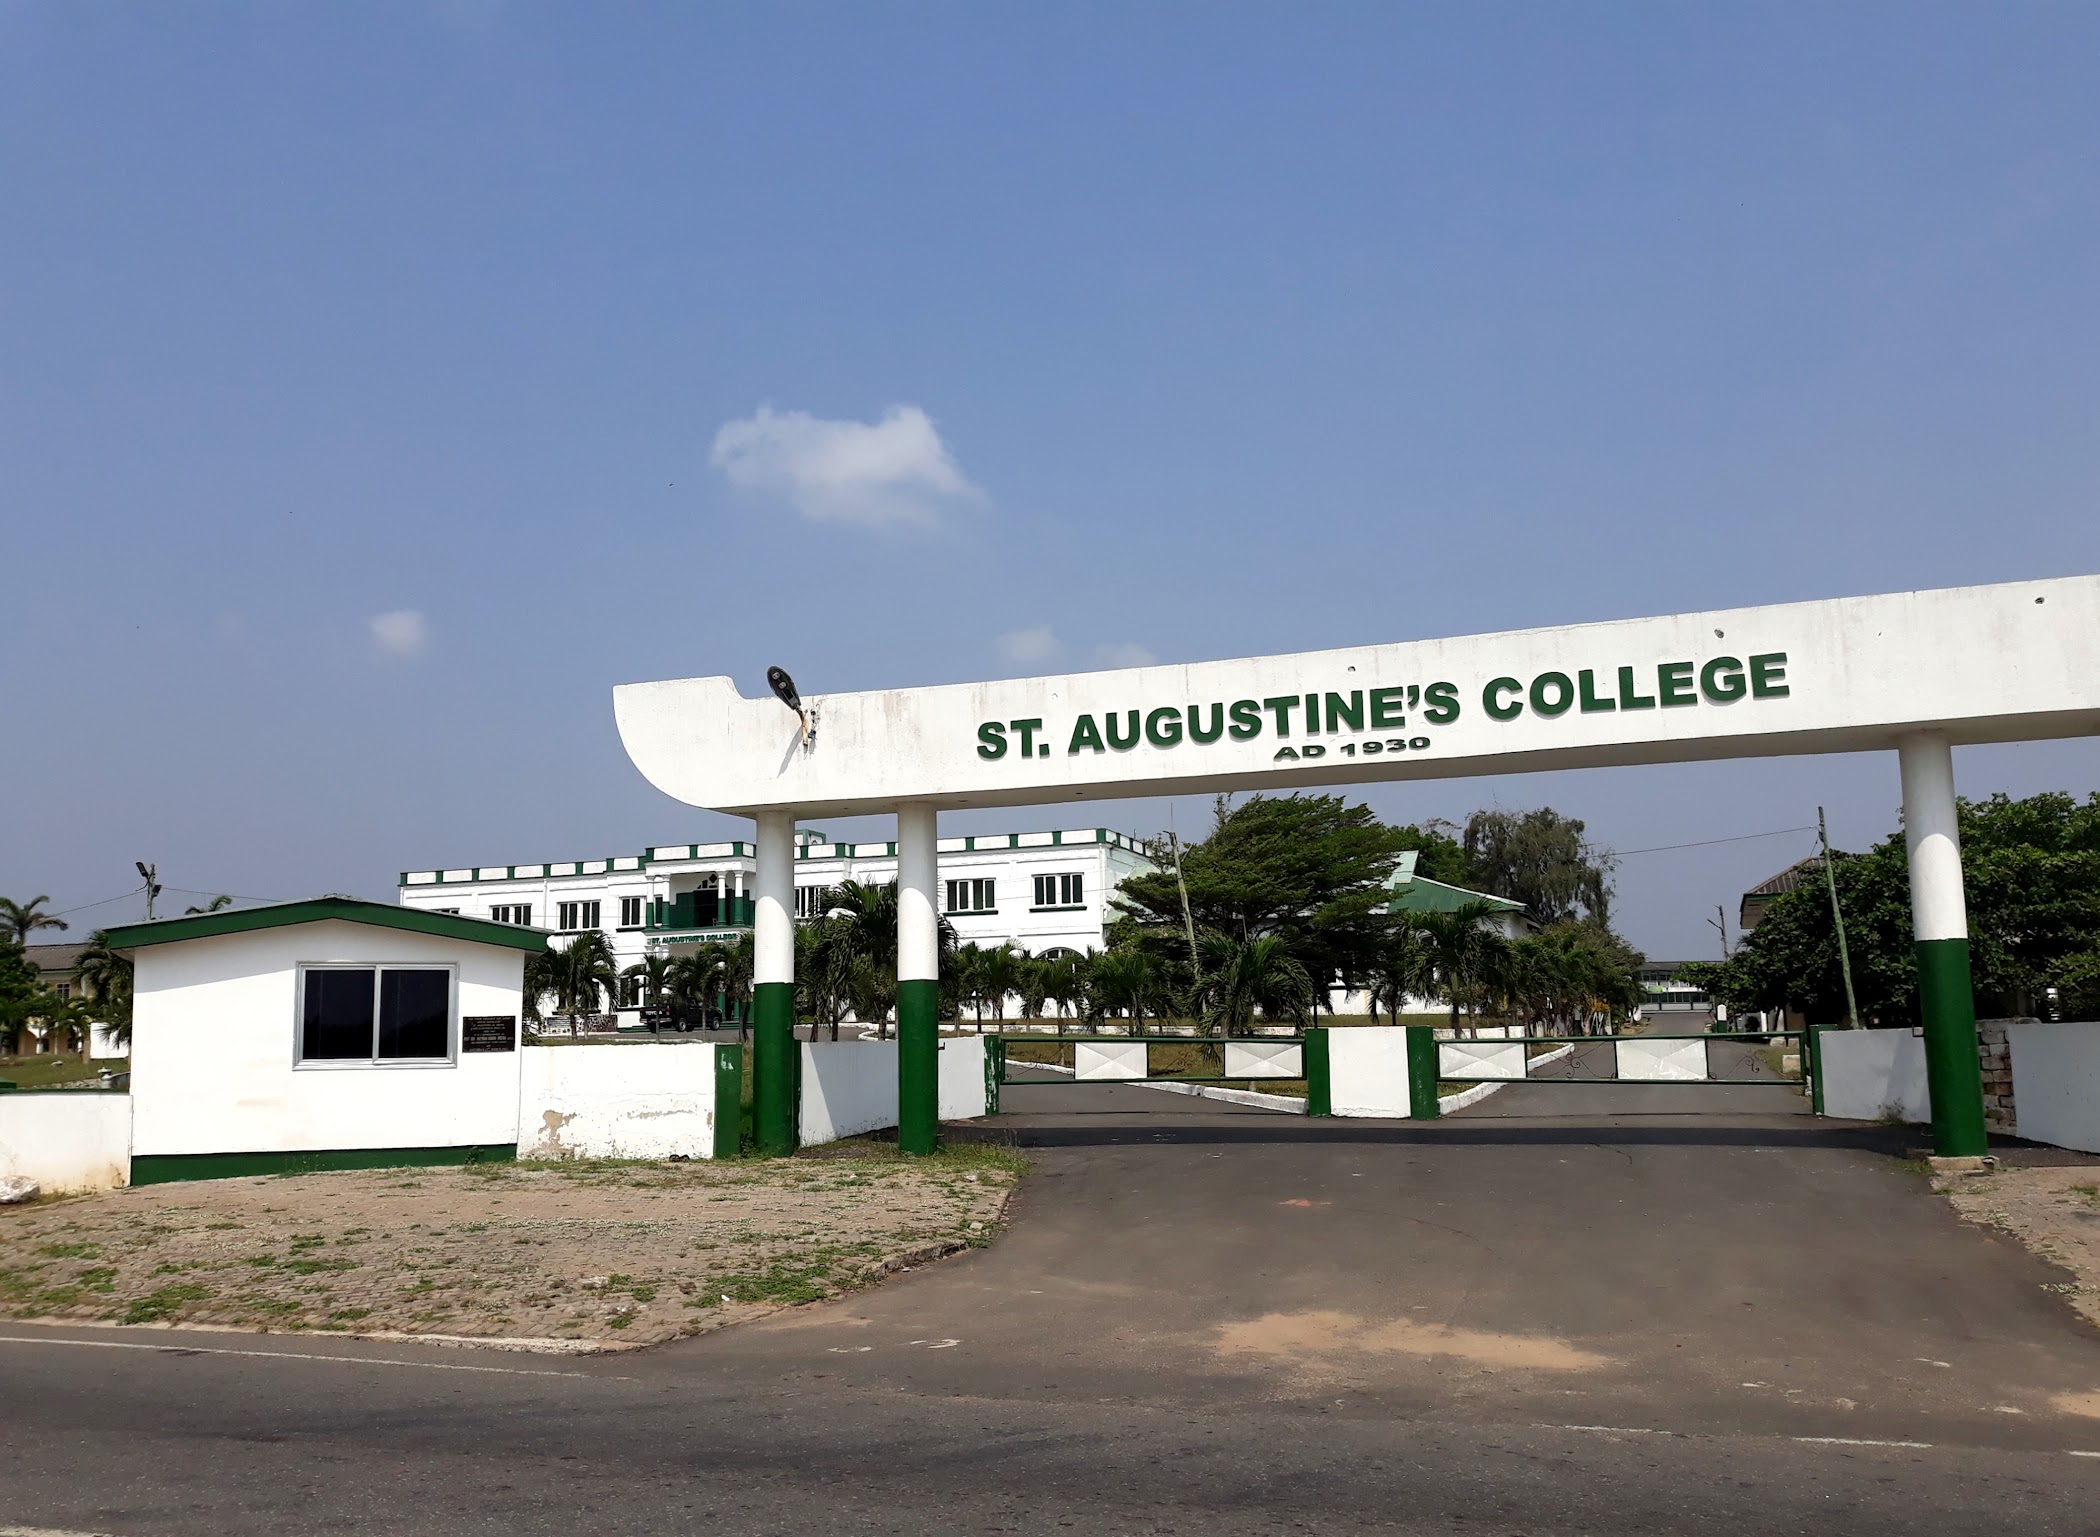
column 1837, row 914
column 1188, row 917
column 1719, row 923
column 150, row 874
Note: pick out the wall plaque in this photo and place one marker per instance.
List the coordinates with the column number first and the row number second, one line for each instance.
column 488, row 1032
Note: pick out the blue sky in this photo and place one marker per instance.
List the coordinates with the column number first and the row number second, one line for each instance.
column 365, row 371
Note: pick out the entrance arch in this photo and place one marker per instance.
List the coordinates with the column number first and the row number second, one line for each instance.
column 1916, row 673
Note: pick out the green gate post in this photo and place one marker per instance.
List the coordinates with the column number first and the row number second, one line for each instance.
column 729, row 1100
column 1940, row 927
column 1813, row 1053
column 1319, row 1083
column 1422, row 1073
column 773, row 1069
column 994, row 1072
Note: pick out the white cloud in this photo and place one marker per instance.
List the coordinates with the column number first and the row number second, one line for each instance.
column 1036, row 645
column 1125, row 654
column 895, row 471
column 401, row 632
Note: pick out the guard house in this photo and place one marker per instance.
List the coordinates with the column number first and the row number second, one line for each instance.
column 326, row 1034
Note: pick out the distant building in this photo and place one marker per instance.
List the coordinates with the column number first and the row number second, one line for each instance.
column 1750, row 912
column 1414, row 893
column 1044, row 892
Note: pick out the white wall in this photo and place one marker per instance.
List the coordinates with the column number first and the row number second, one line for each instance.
column 2056, row 1083
column 214, row 1033
column 72, row 1140
column 1869, row 1073
column 640, row 1100
column 962, row 1094
column 1367, row 1071
column 848, row 1087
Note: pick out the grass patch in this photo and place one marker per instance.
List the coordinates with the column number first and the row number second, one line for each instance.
column 70, row 1250
column 50, row 1070
column 164, row 1303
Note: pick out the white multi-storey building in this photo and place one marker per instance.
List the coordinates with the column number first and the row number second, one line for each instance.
column 1044, row 892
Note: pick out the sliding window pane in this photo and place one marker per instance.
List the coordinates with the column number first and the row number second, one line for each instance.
column 338, row 1017
column 415, row 1015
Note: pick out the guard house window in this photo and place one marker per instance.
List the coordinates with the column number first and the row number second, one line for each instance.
column 1061, row 890
column 630, row 912
column 375, row 1014
column 519, row 913
column 578, row 915
column 972, row 896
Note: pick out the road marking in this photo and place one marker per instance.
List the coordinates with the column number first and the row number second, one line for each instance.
column 1916, row 1446
column 44, row 1531
column 285, row 1355
column 2085, row 1454
column 1614, row 1430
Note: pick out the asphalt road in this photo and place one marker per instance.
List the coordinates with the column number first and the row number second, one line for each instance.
column 1716, row 1314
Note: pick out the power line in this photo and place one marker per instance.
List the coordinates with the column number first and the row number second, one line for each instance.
column 83, row 907
column 1664, row 848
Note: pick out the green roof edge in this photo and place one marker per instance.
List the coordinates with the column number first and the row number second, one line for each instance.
column 383, row 915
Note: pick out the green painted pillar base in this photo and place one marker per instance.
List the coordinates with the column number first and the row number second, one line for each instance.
column 918, row 1066
column 1319, row 1084
column 774, row 1122
column 1953, row 1076
column 1422, row 1073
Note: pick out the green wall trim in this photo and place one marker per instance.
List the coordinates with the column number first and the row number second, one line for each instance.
column 1422, row 1068
column 1319, row 1083
column 384, row 915
column 918, row 1066
column 167, row 1168
column 1953, row 1076
column 775, row 1056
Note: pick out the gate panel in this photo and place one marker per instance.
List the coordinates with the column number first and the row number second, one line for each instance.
column 1263, row 1059
column 1661, row 1061
column 1480, row 1059
column 1108, row 1059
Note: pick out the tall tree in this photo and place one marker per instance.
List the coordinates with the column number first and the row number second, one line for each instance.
column 20, row 920
column 1542, row 859
column 1311, row 871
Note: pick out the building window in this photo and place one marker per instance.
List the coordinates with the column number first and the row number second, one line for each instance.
column 578, row 915
column 971, row 896
column 519, row 913
column 812, row 901
column 630, row 912
column 375, row 1014
column 1067, row 890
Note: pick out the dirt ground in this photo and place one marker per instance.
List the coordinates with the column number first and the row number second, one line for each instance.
column 592, row 1253
column 2054, row 1211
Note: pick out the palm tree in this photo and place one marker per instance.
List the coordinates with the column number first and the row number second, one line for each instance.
column 1402, row 969
column 543, row 969
column 20, row 920
column 1032, row 982
column 1240, row 977
column 106, row 977
column 650, row 979
column 1465, row 955
column 214, row 905
column 584, row 974
column 1003, row 969
column 1122, row 980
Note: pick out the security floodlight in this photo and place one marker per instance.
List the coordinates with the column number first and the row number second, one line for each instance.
column 784, row 690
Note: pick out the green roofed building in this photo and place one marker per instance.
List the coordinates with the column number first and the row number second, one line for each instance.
column 1414, row 893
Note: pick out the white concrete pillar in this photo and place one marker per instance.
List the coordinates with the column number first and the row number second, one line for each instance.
column 918, row 980
column 1939, row 908
column 1939, row 915
column 773, row 921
